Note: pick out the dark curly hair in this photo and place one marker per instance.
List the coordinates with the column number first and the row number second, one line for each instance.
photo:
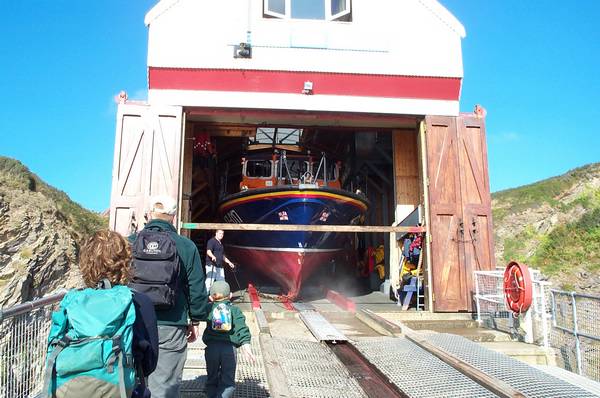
column 106, row 254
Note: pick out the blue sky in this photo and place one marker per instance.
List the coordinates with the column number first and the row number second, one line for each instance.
column 533, row 66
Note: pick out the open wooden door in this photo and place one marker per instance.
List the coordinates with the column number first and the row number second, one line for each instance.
column 445, row 213
column 476, row 198
column 146, row 162
column 459, row 208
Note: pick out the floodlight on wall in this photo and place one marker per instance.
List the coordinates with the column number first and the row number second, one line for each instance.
column 308, row 88
column 242, row 50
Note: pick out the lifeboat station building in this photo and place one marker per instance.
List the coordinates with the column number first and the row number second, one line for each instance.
column 375, row 88
column 324, row 138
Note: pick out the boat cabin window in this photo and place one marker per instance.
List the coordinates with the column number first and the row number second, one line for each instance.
column 329, row 10
column 258, row 168
column 297, row 168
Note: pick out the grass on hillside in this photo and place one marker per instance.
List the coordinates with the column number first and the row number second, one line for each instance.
column 569, row 248
column 576, row 244
column 536, row 194
column 15, row 175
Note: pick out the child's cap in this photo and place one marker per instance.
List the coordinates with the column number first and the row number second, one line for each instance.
column 221, row 288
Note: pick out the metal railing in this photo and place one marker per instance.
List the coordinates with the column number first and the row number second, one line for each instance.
column 24, row 332
column 493, row 313
column 569, row 322
column 576, row 331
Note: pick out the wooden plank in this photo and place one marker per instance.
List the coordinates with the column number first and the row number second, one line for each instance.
column 341, row 301
column 422, row 145
column 406, row 167
column 278, row 385
column 378, row 323
column 294, row 227
column 185, row 214
column 497, row 386
column 261, row 320
column 229, row 131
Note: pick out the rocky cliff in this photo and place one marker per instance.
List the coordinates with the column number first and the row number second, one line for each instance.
column 40, row 233
column 553, row 225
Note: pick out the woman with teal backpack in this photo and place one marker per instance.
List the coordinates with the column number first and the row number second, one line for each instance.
column 104, row 340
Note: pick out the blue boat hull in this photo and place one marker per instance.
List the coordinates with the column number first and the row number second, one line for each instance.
column 289, row 257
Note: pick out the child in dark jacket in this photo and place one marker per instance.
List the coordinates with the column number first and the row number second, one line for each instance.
column 225, row 331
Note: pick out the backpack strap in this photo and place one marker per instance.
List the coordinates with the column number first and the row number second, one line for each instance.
column 155, row 228
column 117, row 356
column 121, row 376
column 115, row 353
column 104, row 284
column 50, row 373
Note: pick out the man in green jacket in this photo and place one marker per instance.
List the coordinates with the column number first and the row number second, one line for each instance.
column 178, row 325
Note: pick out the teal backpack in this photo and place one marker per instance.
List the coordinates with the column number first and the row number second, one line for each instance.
column 90, row 345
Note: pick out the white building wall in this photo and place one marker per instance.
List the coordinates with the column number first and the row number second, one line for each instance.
column 397, row 37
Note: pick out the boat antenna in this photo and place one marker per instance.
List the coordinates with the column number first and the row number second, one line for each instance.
column 324, row 169
column 279, row 165
column 323, row 163
column 287, row 169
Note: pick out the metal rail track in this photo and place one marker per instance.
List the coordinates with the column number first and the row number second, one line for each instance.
column 371, row 380
column 406, row 363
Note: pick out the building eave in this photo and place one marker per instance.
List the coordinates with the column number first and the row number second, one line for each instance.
column 445, row 16
column 160, row 8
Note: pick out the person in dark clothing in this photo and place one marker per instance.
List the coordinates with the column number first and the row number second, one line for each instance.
column 107, row 256
column 225, row 331
column 215, row 256
column 145, row 334
column 177, row 325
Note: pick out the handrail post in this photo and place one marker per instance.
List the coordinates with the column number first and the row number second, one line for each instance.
column 553, row 298
column 544, row 317
column 576, row 333
column 477, row 299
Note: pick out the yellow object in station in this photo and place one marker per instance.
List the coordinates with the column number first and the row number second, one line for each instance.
column 380, row 270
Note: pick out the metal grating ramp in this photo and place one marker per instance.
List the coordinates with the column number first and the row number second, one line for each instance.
column 251, row 380
column 416, row 372
column 313, row 371
column 320, row 327
column 532, row 382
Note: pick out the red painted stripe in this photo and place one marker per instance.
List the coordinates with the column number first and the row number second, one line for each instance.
column 341, row 301
column 253, row 296
column 268, row 81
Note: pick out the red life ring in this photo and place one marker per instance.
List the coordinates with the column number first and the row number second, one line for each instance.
column 518, row 289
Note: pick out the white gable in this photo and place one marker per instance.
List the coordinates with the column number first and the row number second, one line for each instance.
column 385, row 37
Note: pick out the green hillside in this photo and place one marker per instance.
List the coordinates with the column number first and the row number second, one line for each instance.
column 553, row 225
column 82, row 222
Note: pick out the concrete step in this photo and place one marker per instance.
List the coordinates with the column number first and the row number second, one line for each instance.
column 442, row 324
column 459, row 324
column 407, row 316
column 473, row 334
column 528, row 353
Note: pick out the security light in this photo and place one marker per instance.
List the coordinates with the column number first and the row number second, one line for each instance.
column 243, row 50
